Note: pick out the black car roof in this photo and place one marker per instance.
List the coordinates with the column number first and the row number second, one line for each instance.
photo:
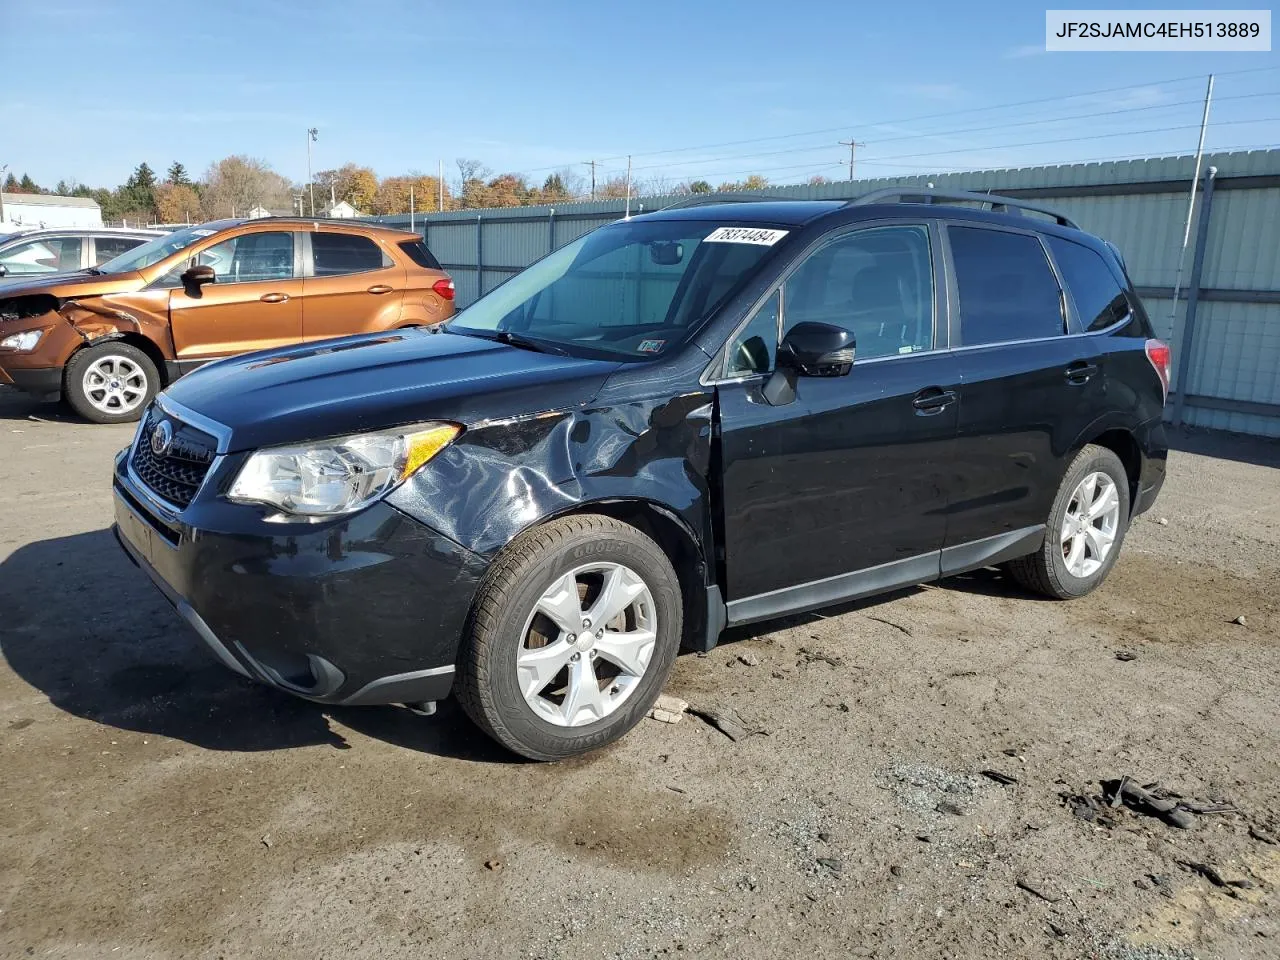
column 793, row 212
column 797, row 213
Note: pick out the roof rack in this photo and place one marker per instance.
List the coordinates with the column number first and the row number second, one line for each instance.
column 998, row 204
column 734, row 196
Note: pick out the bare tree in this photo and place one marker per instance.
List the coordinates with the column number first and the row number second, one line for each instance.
column 237, row 184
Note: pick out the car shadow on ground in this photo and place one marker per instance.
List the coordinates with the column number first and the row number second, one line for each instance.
column 81, row 624
column 1259, row 451
column 18, row 406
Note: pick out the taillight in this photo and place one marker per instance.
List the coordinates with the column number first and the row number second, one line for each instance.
column 445, row 289
column 1161, row 358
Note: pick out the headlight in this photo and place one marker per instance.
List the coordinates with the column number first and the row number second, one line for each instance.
column 25, row 341
column 339, row 476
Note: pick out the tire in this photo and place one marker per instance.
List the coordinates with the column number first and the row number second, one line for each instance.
column 508, row 621
column 1049, row 570
column 118, row 399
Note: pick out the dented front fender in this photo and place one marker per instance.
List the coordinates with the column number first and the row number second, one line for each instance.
column 501, row 478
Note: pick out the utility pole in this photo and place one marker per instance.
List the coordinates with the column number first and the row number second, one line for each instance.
column 441, row 180
column 627, row 215
column 592, row 165
column 1191, row 205
column 3, row 170
column 311, row 184
column 853, row 145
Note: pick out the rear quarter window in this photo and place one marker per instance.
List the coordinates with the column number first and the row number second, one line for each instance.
column 417, row 251
column 1100, row 300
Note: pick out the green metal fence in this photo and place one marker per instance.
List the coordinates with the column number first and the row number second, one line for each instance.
column 1225, row 329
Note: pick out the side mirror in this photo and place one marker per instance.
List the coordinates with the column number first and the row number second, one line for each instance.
column 817, row 350
column 3, row 270
column 809, row 350
column 193, row 278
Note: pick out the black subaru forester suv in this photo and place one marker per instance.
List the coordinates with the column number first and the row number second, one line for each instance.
column 686, row 420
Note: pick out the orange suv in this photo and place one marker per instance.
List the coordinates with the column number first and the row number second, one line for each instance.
column 107, row 339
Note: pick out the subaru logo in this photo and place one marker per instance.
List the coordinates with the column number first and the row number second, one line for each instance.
column 162, row 438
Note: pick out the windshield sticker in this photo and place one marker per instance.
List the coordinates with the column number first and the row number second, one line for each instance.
column 204, row 233
column 651, row 346
column 759, row 236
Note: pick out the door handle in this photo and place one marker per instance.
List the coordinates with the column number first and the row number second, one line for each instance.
column 933, row 400
column 379, row 288
column 274, row 297
column 1081, row 371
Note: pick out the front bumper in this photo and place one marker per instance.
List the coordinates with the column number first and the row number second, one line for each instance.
column 366, row 610
column 42, row 382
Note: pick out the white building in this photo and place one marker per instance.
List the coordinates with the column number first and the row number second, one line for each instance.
column 341, row 211
column 43, row 210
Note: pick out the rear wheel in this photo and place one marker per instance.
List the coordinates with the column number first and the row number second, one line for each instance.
column 1085, row 528
column 571, row 638
column 110, row 382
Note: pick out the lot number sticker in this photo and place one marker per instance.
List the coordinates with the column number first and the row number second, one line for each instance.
column 756, row 235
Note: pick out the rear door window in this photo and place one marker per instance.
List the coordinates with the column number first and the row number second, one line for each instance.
column 1007, row 289
column 105, row 248
column 1100, row 300
column 333, row 254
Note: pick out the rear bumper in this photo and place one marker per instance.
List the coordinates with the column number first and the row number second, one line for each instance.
column 43, row 382
column 367, row 611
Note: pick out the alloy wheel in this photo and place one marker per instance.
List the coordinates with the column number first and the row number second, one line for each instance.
column 1090, row 526
column 587, row 644
column 115, row 384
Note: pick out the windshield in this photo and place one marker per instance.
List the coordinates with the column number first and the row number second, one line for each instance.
column 153, row 251
column 631, row 290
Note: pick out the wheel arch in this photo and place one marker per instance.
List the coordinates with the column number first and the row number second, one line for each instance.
column 678, row 541
column 142, row 342
column 1121, row 441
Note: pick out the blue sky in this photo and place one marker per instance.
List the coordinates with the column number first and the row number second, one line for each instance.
column 92, row 88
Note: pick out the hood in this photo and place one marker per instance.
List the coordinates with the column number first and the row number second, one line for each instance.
column 70, row 285
column 376, row 381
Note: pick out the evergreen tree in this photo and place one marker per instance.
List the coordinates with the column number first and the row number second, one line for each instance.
column 143, row 177
column 178, row 175
column 27, row 185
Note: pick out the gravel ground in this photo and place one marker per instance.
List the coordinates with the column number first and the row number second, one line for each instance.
column 154, row 805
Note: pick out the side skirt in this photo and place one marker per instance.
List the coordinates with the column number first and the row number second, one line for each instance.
column 886, row 576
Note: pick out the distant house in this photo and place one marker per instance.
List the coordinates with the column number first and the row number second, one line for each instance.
column 47, row 210
column 341, row 211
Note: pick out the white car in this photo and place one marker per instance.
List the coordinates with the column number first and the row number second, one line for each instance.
column 65, row 249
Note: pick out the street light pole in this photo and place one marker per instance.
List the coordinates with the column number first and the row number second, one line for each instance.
column 3, row 170
column 311, row 184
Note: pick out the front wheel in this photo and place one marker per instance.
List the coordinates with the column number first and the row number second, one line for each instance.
column 110, row 382
column 1085, row 530
column 571, row 637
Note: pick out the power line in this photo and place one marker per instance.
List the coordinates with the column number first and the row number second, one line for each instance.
column 948, row 113
column 1096, row 136
column 944, row 133
column 936, row 168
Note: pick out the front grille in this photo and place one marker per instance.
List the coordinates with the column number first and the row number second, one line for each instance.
column 177, row 475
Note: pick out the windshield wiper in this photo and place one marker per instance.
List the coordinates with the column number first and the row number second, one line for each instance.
column 513, row 339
